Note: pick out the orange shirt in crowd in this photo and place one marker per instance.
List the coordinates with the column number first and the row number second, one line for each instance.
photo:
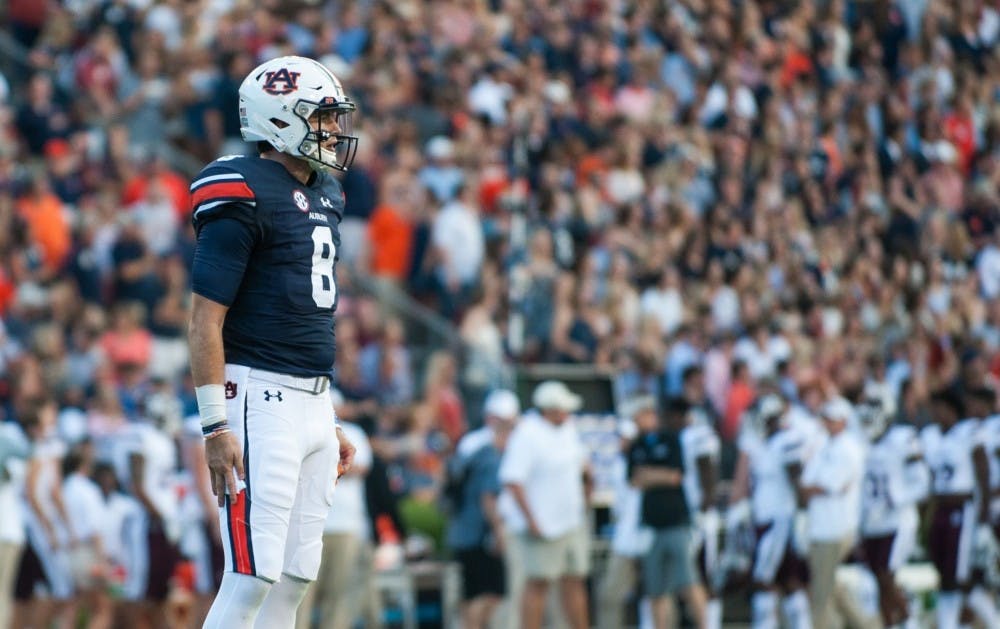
column 391, row 238
column 796, row 64
column 48, row 227
column 741, row 395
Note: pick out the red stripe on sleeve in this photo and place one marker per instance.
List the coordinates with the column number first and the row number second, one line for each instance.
column 222, row 189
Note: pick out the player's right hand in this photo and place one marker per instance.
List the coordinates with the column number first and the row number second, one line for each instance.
column 224, row 455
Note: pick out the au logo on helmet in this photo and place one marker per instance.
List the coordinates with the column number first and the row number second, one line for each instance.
column 281, row 82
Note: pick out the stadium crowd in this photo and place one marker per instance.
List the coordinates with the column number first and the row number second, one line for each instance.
column 733, row 207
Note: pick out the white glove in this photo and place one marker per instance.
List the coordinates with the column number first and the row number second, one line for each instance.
column 986, row 542
column 737, row 515
column 709, row 522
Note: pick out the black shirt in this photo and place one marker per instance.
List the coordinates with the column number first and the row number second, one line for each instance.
column 662, row 507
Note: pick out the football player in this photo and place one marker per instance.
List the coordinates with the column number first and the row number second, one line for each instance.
column 701, row 447
column 262, row 335
column 948, row 444
column 981, row 404
column 896, row 479
column 991, row 449
column 145, row 458
column 201, row 539
column 50, row 531
column 771, row 460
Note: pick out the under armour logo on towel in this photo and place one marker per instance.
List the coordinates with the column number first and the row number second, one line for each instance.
column 268, row 395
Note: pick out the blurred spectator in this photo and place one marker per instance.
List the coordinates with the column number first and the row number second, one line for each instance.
column 475, row 531
column 43, row 213
column 458, row 241
column 441, row 176
column 135, row 265
column 390, row 234
column 442, row 397
column 127, row 342
column 40, row 118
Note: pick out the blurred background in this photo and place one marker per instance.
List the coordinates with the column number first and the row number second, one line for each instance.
column 601, row 192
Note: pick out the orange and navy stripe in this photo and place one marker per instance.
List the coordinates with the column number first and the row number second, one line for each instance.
column 238, row 517
column 213, row 190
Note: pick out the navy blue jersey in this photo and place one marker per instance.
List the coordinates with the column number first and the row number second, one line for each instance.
column 267, row 247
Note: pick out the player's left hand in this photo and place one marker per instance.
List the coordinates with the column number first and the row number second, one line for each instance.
column 346, row 453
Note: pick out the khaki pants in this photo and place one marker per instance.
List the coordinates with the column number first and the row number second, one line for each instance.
column 10, row 557
column 824, row 595
column 619, row 581
column 342, row 588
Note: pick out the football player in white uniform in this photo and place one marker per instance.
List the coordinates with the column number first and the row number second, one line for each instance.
column 50, row 531
column 771, row 459
column 981, row 403
column 948, row 446
column 896, row 479
column 991, row 448
column 145, row 459
column 701, row 447
column 201, row 540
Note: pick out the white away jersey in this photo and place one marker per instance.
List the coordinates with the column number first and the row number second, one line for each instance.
column 949, row 455
column 990, row 438
column 772, row 495
column 697, row 441
column 159, row 473
column 895, row 479
column 48, row 454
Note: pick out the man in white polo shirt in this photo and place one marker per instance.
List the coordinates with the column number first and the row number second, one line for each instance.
column 543, row 469
column 831, row 487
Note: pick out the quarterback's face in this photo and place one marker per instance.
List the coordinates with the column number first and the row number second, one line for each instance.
column 326, row 121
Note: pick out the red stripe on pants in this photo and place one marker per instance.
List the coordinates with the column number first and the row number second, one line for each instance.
column 241, row 545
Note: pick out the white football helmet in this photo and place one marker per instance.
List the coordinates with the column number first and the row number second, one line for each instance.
column 767, row 414
column 877, row 409
column 278, row 97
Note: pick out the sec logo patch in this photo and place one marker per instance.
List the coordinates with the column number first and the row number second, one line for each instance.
column 301, row 200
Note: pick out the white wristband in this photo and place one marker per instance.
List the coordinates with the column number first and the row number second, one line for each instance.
column 211, row 403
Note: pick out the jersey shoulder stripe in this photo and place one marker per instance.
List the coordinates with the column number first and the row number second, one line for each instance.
column 218, row 186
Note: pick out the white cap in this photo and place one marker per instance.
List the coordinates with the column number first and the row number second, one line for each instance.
column 502, row 404
column 837, row 410
column 440, row 147
column 555, row 395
